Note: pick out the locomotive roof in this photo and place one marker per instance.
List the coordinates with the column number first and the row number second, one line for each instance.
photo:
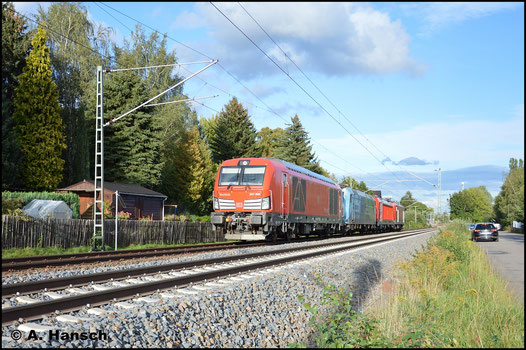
column 303, row 170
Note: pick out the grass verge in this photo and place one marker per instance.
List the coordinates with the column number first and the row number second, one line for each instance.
column 446, row 296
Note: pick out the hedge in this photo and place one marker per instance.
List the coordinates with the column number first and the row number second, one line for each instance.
column 71, row 199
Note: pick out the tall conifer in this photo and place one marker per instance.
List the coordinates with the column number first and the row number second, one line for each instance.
column 132, row 145
column 38, row 122
column 294, row 147
column 234, row 134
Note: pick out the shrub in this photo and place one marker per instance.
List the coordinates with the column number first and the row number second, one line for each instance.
column 170, row 217
column 123, row 215
column 11, row 204
column 108, row 213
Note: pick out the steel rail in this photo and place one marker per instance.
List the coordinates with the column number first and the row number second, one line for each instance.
column 63, row 282
column 29, row 262
column 77, row 302
column 22, row 263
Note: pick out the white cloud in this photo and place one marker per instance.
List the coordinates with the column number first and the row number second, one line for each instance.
column 452, row 143
column 187, row 20
column 331, row 38
column 437, row 15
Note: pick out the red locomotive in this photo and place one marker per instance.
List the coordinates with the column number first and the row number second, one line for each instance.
column 266, row 198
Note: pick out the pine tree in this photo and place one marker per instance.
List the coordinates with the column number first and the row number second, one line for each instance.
column 131, row 145
column 38, row 122
column 15, row 48
column 294, row 147
column 234, row 134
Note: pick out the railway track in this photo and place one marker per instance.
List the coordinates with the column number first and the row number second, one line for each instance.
column 29, row 262
column 64, row 294
column 32, row 262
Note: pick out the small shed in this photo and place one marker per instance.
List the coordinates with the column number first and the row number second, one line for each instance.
column 134, row 199
column 44, row 208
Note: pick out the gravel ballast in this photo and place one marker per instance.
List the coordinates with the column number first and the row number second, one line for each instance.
column 262, row 311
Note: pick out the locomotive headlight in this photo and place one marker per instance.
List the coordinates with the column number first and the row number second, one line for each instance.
column 265, row 203
column 216, row 203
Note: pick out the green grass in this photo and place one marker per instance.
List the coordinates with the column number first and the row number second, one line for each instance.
column 446, row 296
column 19, row 252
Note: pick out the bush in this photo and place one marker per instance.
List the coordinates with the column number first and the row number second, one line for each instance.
column 170, row 217
column 123, row 215
column 11, row 204
column 71, row 199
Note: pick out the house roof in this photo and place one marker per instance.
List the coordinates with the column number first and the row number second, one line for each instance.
column 88, row 186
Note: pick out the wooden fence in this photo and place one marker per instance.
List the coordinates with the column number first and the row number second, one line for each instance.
column 21, row 233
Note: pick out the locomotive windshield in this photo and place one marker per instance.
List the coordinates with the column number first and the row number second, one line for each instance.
column 242, row 175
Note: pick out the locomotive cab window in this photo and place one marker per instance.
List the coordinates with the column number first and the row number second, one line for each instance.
column 229, row 176
column 242, row 176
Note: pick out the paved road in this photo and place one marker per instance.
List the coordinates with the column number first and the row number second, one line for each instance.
column 507, row 258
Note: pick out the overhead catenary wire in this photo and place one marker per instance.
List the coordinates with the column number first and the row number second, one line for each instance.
column 288, row 75
column 310, row 96
column 111, row 57
column 233, row 77
column 313, row 84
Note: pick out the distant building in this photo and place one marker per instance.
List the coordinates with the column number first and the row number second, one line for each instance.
column 134, row 199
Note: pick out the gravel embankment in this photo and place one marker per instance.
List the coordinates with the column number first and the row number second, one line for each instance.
column 259, row 312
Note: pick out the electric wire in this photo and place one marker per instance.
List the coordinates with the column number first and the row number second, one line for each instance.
column 236, row 79
column 313, row 84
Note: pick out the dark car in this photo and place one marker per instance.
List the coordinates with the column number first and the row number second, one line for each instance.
column 485, row 231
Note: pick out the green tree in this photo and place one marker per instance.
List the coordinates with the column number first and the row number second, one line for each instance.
column 143, row 51
column 348, row 181
column 415, row 212
column 233, row 135
column 73, row 41
column 509, row 203
column 268, row 140
column 407, row 199
column 473, row 204
column 132, row 145
column 294, row 147
column 38, row 122
column 15, row 48
column 191, row 170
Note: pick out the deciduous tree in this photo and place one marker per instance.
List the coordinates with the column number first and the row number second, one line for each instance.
column 348, row 181
column 509, row 203
column 473, row 204
column 268, row 140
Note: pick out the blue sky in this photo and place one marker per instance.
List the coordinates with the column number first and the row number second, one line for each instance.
column 410, row 86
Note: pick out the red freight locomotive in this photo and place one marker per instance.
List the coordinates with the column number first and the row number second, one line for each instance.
column 266, row 198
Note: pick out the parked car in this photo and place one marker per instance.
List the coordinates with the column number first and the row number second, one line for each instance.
column 485, row 231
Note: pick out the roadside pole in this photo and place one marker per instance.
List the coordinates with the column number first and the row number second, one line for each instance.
column 116, row 213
